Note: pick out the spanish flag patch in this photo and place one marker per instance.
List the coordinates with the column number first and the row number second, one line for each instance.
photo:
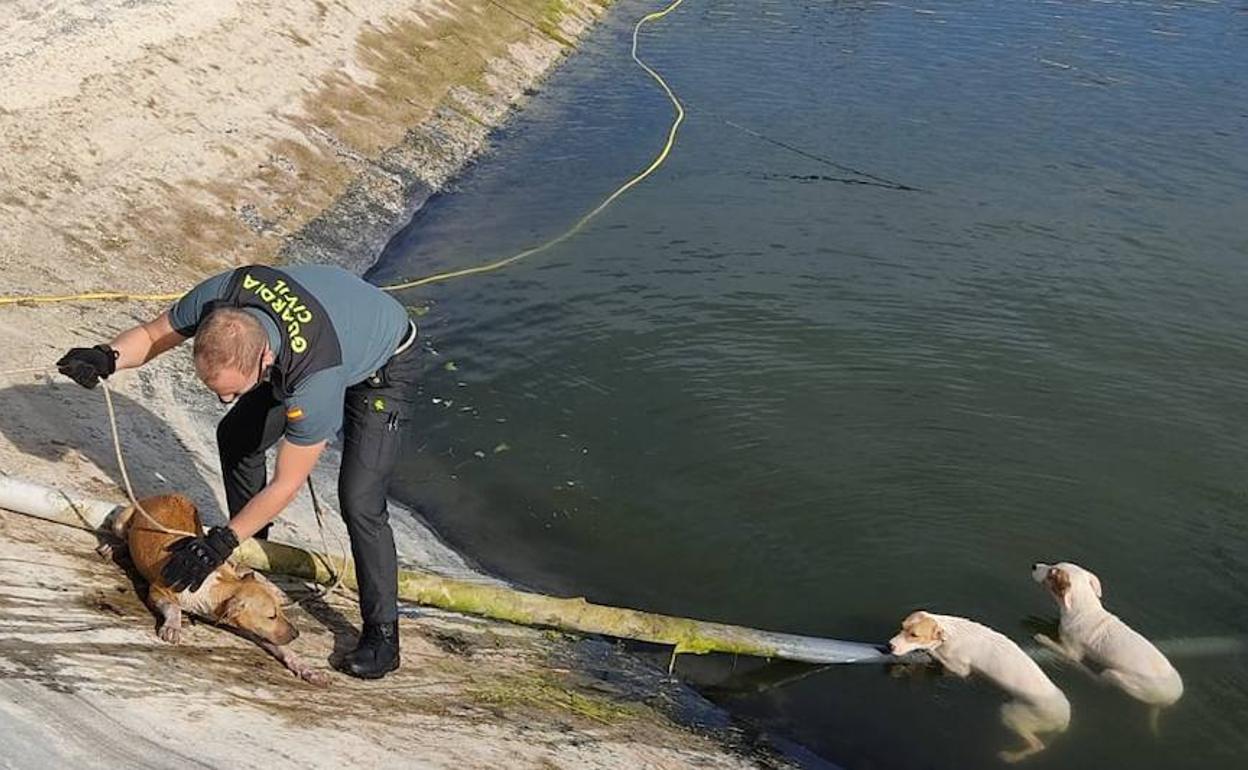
column 294, row 414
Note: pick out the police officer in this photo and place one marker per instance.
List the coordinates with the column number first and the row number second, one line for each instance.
column 301, row 353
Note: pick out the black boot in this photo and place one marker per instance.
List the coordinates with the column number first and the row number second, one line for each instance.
column 377, row 653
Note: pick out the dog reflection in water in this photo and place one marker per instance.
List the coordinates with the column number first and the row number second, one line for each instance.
column 964, row 647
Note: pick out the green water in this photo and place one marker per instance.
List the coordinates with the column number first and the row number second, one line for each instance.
column 767, row 388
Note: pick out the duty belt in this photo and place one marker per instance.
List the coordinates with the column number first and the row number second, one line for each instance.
column 378, row 379
column 409, row 339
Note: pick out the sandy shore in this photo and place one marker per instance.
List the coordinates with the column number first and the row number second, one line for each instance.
column 148, row 144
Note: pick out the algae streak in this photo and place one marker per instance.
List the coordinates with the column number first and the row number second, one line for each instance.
column 576, row 614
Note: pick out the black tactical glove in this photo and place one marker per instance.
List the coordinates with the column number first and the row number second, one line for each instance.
column 86, row 366
column 194, row 558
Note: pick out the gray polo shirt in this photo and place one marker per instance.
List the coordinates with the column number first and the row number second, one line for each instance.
column 369, row 323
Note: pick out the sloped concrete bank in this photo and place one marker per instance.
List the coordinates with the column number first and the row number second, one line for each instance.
column 147, row 144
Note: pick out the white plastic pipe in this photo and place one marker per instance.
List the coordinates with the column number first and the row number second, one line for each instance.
column 53, row 505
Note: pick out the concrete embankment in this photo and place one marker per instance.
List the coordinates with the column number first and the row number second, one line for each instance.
column 146, row 145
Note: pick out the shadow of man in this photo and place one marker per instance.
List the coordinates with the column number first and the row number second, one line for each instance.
column 345, row 634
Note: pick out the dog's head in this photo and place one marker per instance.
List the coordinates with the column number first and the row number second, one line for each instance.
column 919, row 631
column 1068, row 583
column 256, row 606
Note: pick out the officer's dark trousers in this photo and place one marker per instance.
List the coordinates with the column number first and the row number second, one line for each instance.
column 371, row 435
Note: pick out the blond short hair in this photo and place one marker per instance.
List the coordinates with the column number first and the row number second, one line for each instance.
column 229, row 338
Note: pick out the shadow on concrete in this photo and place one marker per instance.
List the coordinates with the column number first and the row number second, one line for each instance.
column 62, row 422
column 310, row 601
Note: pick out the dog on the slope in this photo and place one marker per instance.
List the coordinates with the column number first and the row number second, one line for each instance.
column 964, row 647
column 230, row 596
column 1088, row 631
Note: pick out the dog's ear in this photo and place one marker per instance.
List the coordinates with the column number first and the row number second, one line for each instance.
column 1059, row 583
column 250, row 576
column 922, row 625
column 1096, row 584
column 274, row 591
column 233, row 607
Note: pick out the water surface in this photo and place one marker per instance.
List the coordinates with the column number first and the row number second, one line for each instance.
column 777, row 388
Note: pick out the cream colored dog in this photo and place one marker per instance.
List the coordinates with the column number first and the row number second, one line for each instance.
column 963, row 646
column 1089, row 631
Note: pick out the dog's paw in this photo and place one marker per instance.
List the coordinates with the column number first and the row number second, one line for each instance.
column 170, row 634
column 911, row 669
column 115, row 552
column 313, row 676
column 1049, row 642
column 1010, row 757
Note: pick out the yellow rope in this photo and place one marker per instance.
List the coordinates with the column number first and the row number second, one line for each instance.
column 40, row 299
column 448, row 275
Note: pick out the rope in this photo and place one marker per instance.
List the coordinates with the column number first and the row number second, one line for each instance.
column 125, row 476
column 584, row 220
column 879, row 181
column 37, row 299
column 40, row 299
column 27, row 370
column 121, row 460
column 340, row 574
column 116, row 449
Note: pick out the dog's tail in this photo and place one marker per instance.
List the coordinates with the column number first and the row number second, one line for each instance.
column 119, row 525
column 1154, row 720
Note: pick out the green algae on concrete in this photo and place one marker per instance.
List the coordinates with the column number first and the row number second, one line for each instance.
column 547, row 693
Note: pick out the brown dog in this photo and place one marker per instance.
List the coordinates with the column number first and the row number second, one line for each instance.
column 230, row 596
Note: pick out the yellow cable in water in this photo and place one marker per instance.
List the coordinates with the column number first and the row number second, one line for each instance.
column 446, row 276
column 658, row 161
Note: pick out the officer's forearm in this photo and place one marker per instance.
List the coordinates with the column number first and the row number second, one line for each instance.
column 262, row 509
column 133, row 346
column 294, row 465
column 141, row 344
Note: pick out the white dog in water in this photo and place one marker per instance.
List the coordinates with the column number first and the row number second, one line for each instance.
column 1087, row 630
column 963, row 646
